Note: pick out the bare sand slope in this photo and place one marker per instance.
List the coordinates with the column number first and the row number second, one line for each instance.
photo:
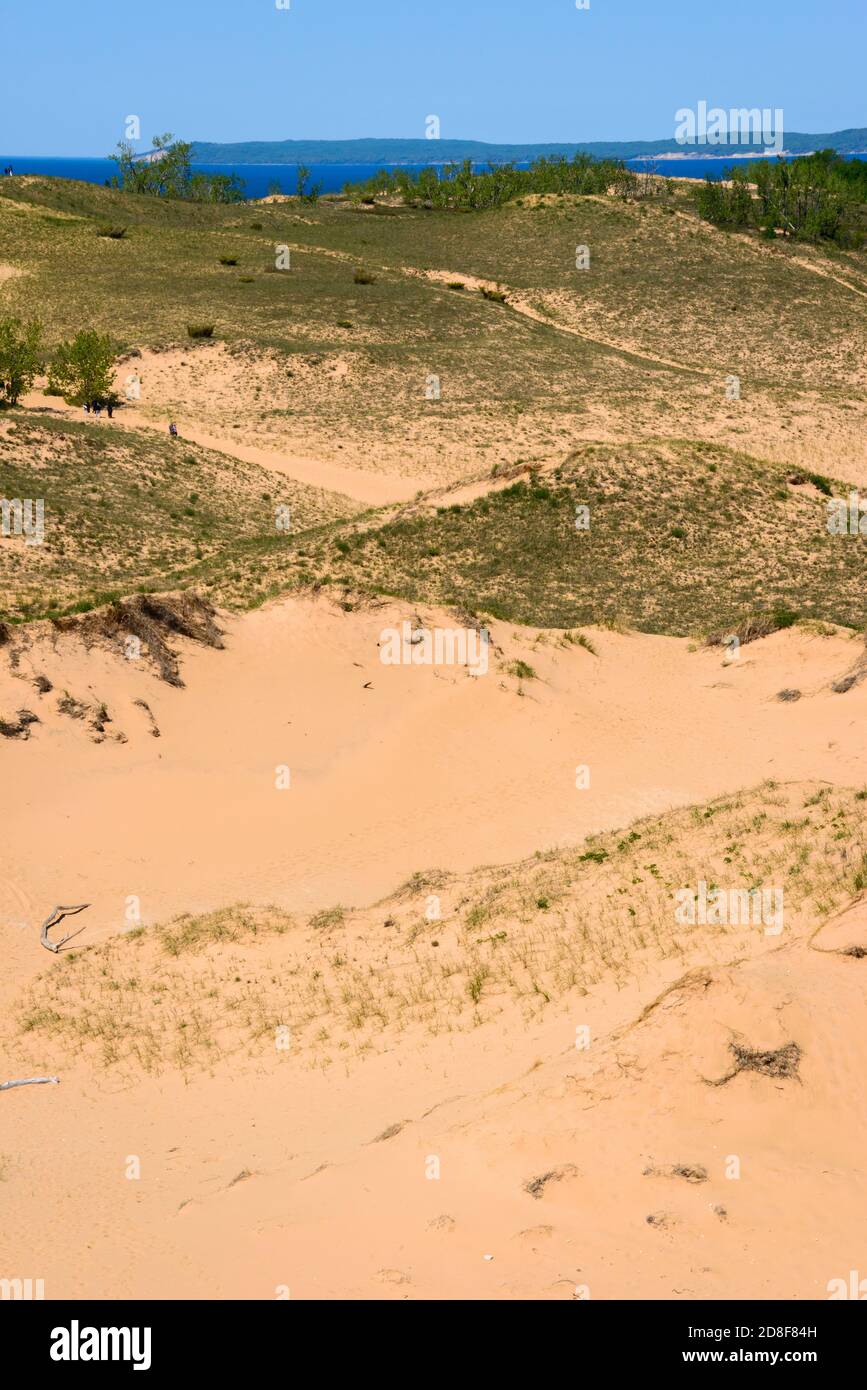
column 619, row 1171
column 502, row 1163
column 393, row 769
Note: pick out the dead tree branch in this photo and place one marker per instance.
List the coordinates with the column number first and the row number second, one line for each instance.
column 52, row 920
column 31, row 1081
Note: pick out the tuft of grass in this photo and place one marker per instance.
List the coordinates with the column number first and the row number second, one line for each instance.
column 579, row 639
column 329, row 917
column 757, row 625
column 190, row 934
column 476, row 983
column 520, row 669
column 201, row 330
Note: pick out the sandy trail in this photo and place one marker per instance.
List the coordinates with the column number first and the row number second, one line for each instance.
column 368, row 488
column 828, row 275
column 371, row 489
column 520, row 303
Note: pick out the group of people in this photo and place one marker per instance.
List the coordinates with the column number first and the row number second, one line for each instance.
column 8, row 170
column 96, row 408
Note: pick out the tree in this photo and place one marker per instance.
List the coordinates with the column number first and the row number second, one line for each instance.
column 19, row 358
column 166, row 173
column 312, row 195
column 83, row 371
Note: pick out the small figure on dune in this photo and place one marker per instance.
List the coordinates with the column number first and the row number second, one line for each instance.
column 109, row 409
column 173, row 430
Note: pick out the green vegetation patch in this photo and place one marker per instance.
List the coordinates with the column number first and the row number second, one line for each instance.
column 682, row 539
column 126, row 509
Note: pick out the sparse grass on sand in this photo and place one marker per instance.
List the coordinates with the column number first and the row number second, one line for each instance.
column 526, row 936
column 640, row 344
column 131, row 510
column 684, row 538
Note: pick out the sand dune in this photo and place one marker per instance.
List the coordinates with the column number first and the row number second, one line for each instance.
column 492, row 1160
column 404, row 775
column 381, row 991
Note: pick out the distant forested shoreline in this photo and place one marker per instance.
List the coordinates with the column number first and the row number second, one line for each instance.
column 388, row 151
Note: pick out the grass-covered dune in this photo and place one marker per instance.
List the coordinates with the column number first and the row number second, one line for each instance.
column 127, row 509
column 683, row 538
column 670, row 536
column 659, row 281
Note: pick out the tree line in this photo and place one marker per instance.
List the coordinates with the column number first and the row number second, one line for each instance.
column 80, row 370
column 463, row 187
column 818, row 197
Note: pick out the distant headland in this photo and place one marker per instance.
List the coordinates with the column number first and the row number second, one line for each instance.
column 388, row 151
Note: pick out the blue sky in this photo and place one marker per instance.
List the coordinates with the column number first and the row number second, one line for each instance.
column 512, row 70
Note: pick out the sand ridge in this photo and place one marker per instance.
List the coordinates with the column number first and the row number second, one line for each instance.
column 301, row 684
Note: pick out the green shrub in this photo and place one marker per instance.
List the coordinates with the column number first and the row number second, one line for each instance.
column 19, row 358
column 82, row 371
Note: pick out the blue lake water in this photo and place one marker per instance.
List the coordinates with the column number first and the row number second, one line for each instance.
column 258, row 178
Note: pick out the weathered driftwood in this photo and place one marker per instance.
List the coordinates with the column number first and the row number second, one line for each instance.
column 31, row 1081
column 52, row 920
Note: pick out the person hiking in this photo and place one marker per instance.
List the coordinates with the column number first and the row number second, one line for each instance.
column 173, row 430
column 109, row 409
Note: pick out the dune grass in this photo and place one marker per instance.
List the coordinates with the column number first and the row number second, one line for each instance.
column 525, row 937
column 125, row 511
column 684, row 538
column 661, row 284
